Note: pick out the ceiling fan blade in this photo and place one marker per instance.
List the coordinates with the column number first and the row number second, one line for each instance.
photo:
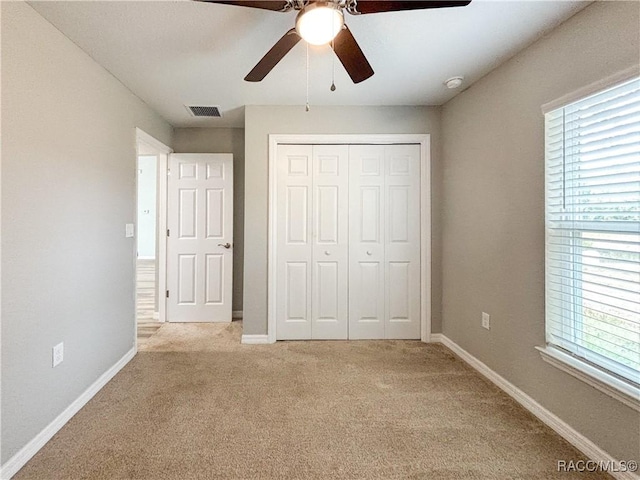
column 274, row 5
column 351, row 56
column 273, row 56
column 379, row 6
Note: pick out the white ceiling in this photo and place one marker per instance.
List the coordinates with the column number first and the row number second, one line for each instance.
column 185, row 52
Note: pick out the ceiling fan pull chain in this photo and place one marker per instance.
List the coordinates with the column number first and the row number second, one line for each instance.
column 307, row 108
column 333, row 64
column 333, row 71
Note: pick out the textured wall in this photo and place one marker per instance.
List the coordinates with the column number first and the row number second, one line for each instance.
column 493, row 216
column 260, row 121
column 68, row 188
column 223, row 140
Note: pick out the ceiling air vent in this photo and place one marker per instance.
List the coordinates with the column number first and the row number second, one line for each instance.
column 200, row 111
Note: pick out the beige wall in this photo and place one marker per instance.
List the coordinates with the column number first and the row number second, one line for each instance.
column 493, row 216
column 223, row 140
column 260, row 121
column 68, row 188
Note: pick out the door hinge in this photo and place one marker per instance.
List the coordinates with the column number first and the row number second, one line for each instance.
column 168, row 232
column 167, row 293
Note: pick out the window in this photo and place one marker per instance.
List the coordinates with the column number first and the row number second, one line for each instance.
column 593, row 231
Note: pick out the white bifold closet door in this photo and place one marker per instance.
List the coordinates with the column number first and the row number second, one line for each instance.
column 348, row 242
column 384, row 241
column 312, row 242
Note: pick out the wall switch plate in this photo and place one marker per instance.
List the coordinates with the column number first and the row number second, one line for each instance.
column 128, row 230
column 486, row 320
column 58, row 354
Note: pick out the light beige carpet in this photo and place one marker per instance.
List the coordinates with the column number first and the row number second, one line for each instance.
column 215, row 409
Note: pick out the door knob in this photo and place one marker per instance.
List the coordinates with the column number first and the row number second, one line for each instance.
column 369, row 252
column 327, row 252
column 225, row 245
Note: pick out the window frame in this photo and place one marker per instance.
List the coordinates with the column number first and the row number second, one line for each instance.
column 581, row 368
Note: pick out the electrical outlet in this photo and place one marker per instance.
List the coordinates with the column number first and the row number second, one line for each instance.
column 58, row 354
column 486, row 320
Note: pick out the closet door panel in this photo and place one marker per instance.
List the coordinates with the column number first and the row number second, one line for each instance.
column 330, row 242
column 402, row 242
column 294, row 242
column 366, row 241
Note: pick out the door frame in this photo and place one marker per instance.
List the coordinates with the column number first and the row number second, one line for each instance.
column 163, row 152
column 424, row 140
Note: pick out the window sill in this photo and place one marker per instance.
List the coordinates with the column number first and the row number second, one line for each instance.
column 605, row 382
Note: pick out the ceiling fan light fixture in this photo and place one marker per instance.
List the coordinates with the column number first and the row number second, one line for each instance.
column 319, row 23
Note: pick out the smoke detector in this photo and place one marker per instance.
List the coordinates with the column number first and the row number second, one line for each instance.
column 453, row 82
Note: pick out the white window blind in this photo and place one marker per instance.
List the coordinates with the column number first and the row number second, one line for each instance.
column 593, row 229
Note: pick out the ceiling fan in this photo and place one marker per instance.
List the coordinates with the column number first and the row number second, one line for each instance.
column 322, row 21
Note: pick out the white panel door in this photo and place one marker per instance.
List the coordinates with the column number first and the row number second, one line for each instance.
column 199, row 247
column 384, row 241
column 312, row 242
column 402, row 241
column 366, row 242
column 294, row 242
column 330, row 236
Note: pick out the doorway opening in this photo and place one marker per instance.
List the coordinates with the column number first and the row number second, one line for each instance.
column 146, row 246
column 150, row 245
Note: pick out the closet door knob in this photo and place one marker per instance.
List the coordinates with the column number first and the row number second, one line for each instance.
column 369, row 252
column 327, row 252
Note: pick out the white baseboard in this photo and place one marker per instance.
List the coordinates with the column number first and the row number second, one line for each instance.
column 236, row 314
column 575, row 438
column 255, row 339
column 19, row 460
column 436, row 338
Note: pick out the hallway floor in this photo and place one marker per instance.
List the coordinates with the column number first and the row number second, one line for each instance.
column 146, row 300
